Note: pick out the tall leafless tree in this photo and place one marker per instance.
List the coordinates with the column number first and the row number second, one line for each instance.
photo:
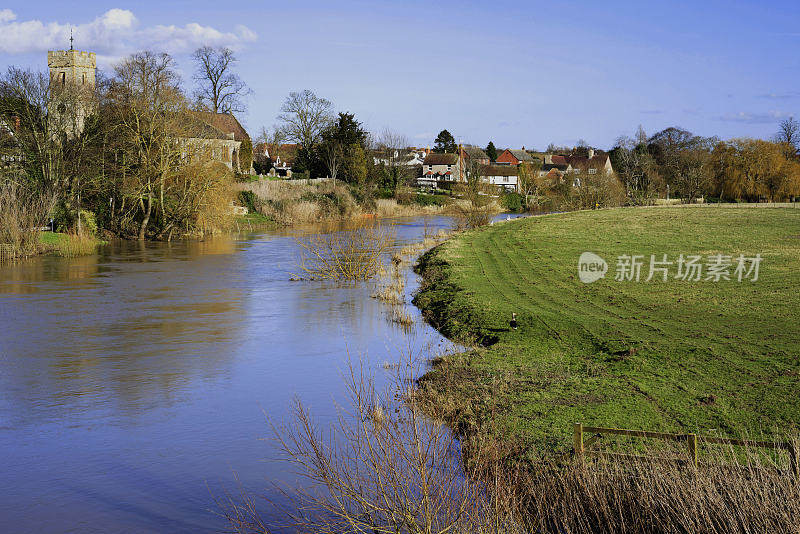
column 789, row 133
column 149, row 109
column 219, row 88
column 333, row 156
column 305, row 116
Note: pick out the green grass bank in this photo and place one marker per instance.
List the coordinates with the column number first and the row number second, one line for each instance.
column 699, row 356
column 68, row 245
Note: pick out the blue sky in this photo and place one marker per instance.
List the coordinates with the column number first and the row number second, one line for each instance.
column 517, row 73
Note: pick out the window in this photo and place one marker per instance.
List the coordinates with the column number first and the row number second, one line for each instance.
column 63, row 78
column 83, row 79
column 592, row 171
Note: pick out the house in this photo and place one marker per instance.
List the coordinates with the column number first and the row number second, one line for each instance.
column 555, row 162
column 474, row 154
column 440, row 170
column 279, row 156
column 504, row 176
column 592, row 163
column 390, row 156
column 10, row 153
column 514, row 157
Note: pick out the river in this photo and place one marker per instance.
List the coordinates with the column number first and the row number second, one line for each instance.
column 134, row 383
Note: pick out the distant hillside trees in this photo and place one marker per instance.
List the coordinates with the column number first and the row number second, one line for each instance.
column 676, row 162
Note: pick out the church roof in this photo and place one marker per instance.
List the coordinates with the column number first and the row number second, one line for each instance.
column 224, row 122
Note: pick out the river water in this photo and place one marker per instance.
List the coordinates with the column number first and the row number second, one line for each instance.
column 134, row 383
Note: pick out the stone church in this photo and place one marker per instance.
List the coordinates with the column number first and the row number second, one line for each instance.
column 73, row 75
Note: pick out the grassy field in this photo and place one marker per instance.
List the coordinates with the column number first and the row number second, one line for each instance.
column 708, row 357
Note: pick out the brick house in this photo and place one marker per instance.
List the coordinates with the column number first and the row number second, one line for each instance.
column 512, row 156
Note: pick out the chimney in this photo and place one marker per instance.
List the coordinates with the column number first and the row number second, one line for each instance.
column 523, row 148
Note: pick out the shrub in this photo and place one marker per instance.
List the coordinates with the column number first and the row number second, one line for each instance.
column 249, row 200
column 88, row 223
column 246, row 155
column 424, row 199
column 512, row 202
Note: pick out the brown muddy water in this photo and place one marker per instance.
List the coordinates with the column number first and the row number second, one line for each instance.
column 134, row 383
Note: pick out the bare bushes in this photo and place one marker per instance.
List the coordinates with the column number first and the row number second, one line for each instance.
column 476, row 205
column 468, row 214
column 23, row 211
column 381, row 467
column 351, row 255
column 590, row 191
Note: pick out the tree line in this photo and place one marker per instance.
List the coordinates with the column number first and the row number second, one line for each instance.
column 675, row 162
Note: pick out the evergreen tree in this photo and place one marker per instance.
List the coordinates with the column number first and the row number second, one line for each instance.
column 491, row 151
column 445, row 142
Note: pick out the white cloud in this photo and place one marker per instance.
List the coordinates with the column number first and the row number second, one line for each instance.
column 6, row 15
column 115, row 33
column 755, row 118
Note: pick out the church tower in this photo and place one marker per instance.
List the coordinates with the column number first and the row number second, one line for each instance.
column 72, row 83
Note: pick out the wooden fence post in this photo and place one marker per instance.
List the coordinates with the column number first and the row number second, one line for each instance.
column 691, row 442
column 577, row 440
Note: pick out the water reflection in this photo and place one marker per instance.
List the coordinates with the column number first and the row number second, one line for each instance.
column 133, row 380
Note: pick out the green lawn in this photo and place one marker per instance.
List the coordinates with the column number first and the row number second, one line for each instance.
column 696, row 356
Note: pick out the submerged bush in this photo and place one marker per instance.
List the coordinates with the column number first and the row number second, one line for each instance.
column 355, row 254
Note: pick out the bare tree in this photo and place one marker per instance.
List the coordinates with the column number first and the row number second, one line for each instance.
column 150, row 111
column 392, row 145
column 333, row 154
column 789, row 133
column 531, row 185
column 220, row 89
column 305, row 116
column 636, row 169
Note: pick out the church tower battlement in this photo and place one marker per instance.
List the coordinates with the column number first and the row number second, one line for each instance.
column 73, row 75
column 72, row 67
